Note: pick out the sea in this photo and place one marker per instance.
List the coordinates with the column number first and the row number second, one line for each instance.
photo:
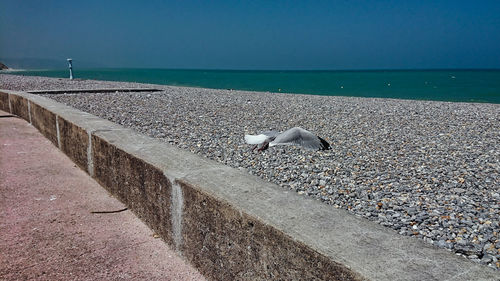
column 482, row 86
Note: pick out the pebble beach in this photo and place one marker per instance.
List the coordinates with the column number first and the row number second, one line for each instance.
column 426, row 169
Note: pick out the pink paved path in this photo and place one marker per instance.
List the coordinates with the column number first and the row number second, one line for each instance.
column 47, row 231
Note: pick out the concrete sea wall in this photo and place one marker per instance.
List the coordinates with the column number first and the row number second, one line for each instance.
column 227, row 223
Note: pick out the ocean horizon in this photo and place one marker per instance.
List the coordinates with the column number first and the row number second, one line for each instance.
column 453, row 85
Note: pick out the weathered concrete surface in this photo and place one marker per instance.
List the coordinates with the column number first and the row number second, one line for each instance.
column 232, row 245
column 136, row 183
column 19, row 106
column 45, row 121
column 235, row 226
column 74, row 142
column 47, row 231
column 4, row 102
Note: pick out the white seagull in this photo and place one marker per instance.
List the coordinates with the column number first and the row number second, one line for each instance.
column 293, row 136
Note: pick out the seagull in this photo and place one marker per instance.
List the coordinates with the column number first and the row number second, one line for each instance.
column 293, row 136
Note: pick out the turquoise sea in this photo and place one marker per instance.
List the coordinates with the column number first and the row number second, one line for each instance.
column 442, row 85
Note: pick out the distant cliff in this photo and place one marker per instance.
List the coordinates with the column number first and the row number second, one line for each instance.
column 3, row 66
column 33, row 63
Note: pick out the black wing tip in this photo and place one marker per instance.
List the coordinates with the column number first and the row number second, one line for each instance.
column 324, row 144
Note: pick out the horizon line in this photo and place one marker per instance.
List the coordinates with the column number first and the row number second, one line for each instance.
column 270, row 70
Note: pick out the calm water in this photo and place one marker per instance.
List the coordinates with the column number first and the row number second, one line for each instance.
column 444, row 85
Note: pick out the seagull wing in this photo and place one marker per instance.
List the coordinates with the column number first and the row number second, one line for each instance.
column 261, row 138
column 271, row 134
column 299, row 136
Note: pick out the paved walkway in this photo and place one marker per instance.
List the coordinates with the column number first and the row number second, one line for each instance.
column 47, row 230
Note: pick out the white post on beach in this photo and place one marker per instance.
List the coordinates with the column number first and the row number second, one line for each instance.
column 70, row 61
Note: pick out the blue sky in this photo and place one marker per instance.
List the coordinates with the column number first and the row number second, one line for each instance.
column 255, row 34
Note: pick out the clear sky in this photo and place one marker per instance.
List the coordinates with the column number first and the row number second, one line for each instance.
column 348, row 34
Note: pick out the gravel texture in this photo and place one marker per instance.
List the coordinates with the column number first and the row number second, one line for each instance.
column 423, row 168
